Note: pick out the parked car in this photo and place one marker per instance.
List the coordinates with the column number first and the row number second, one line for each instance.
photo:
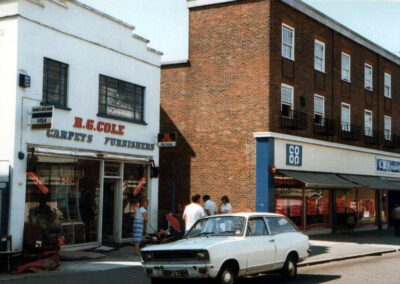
column 229, row 246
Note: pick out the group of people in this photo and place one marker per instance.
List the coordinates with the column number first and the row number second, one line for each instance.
column 195, row 211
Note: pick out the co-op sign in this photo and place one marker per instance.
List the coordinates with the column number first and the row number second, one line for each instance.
column 294, row 155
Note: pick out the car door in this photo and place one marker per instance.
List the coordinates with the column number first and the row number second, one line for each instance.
column 259, row 246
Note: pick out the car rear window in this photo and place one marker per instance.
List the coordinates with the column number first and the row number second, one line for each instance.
column 278, row 225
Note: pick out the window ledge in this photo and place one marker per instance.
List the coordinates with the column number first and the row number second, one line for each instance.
column 347, row 81
column 121, row 118
column 389, row 98
column 43, row 103
column 288, row 58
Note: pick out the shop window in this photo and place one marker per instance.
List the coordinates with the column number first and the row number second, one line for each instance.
column 289, row 202
column 367, row 212
column 346, row 205
column 134, row 190
column 62, row 198
column 55, row 75
column 121, row 100
column 317, row 207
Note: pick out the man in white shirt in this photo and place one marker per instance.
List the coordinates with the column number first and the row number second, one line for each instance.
column 209, row 206
column 193, row 212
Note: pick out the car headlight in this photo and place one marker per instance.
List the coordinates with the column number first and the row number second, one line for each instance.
column 202, row 255
column 147, row 256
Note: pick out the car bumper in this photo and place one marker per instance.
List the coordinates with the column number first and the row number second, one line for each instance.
column 180, row 271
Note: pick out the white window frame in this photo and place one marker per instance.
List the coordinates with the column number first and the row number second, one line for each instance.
column 323, row 108
column 387, row 86
column 345, row 77
column 292, row 45
column 387, row 134
column 368, row 84
column 368, row 131
column 344, row 127
column 318, row 42
column 292, row 91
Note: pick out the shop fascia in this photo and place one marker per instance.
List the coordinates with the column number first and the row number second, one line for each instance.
column 100, row 127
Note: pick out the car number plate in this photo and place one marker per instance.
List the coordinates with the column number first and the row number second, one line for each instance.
column 175, row 273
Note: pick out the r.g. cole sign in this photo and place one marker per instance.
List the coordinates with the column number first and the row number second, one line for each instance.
column 294, row 155
column 387, row 166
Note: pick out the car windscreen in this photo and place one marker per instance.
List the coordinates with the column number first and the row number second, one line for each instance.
column 217, row 226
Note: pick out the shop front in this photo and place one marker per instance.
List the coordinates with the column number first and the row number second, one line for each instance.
column 324, row 187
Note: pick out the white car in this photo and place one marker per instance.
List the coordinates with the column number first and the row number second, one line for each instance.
column 229, row 246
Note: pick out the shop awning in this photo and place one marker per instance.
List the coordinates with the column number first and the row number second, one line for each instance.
column 320, row 180
column 393, row 182
column 373, row 182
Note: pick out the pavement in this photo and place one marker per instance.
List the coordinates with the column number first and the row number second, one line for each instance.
column 325, row 248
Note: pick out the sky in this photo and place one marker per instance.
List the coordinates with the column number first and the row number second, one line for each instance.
column 165, row 22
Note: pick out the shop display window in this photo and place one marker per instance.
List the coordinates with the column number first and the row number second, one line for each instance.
column 62, row 196
column 289, row 202
column 367, row 212
column 317, row 207
column 134, row 177
column 346, row 205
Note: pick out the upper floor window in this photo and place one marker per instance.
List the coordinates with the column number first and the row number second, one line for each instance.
column 287, row 41
column 287, row 100
column 388, row 86
column 368, row 76
column 345, row 117
column 368, row 123
column 319, row 56
column 319, row 109
column 120, row 99
column 55, row 79
column 388, row 128
column 346, row 67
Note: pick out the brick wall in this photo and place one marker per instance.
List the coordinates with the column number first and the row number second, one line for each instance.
column 216, row 104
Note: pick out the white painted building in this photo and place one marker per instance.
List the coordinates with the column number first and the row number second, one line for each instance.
column 104, row 84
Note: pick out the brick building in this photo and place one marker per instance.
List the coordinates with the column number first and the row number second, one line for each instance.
column 282, row 109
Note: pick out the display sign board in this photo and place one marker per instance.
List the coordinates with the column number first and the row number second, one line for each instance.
column 42, row 117
column 38, row 182
column 387, row 166
column 167, row 139
column 294, row 155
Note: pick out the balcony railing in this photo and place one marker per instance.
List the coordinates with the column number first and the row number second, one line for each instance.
column 323, row 126
column 293, row 119
column 349, row 131
column 391, row 141
column 371, row 137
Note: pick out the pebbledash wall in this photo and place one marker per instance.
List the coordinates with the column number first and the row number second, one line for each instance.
column 105, row 151
column 225, row 104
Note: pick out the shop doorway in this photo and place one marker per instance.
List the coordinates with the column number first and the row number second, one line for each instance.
column 110, row 222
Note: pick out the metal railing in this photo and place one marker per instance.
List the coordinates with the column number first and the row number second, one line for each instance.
column 323, row 126
column 349, row 131
column 293, row 119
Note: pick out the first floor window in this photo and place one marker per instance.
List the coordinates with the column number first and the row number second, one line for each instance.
column 55, row 77
column 368, row 123
column 319, row 109
column 287, row 100
column 388, row 128
column 120, row 99
column 345, row 117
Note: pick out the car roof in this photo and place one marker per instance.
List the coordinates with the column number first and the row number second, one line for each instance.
column 250, row 214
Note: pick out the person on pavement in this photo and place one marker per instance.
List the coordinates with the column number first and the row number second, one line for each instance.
column 225, row 206
column 396, row 216
column 209, row 206
column 138, row 224
column 193, row 212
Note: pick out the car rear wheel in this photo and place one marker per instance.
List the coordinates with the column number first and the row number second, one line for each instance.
column 227, row 275
column 289, row 270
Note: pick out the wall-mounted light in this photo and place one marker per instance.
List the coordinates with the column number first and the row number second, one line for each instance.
column 24, row 81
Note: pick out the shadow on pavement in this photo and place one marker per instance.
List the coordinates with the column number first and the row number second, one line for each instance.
column 316, row 250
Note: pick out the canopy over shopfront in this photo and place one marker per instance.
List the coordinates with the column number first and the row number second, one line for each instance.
column 320, row 180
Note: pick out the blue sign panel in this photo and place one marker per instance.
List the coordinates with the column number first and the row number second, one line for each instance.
column 388, row 166
column 294, row 155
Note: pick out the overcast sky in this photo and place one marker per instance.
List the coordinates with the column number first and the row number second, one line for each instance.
column 165, row 22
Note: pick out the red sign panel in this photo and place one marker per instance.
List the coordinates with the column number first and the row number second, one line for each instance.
column 37, row 181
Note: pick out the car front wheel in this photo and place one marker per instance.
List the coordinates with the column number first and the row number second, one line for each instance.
column 227, row 275
column 289, row 270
